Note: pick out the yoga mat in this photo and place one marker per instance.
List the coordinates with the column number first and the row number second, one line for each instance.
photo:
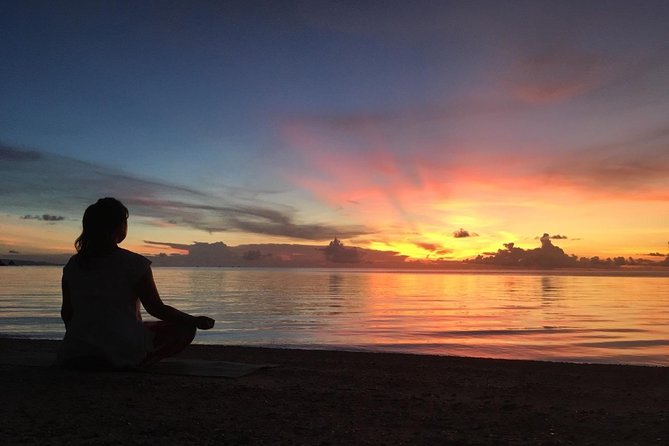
column 172, row 366
column 201, row 367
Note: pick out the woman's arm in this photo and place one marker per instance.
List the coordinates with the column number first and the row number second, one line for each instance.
column 148, row 295
column 66, row 307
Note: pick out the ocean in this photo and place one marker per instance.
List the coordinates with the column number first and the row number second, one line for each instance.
column 554, row 316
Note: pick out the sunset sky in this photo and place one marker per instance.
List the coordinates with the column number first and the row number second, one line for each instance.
column 435, row 129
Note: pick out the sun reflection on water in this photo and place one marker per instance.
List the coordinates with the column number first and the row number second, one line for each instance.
column 503, row 315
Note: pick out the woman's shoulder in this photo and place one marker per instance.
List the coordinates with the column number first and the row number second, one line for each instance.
column 72, row 262
column 132, row 258
column 127, row 253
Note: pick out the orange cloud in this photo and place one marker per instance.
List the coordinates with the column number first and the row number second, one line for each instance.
column 430, row 191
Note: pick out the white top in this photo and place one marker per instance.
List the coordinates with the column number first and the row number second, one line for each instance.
column 106, row 321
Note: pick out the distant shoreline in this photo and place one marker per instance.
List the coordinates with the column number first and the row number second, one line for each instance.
column 19, row 262
column 626, row 271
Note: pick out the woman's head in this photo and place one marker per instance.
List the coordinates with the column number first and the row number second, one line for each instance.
column 105, row 224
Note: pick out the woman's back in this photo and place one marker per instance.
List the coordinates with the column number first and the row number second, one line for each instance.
column 105, row 321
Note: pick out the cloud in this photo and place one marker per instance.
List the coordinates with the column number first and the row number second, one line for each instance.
column 551, row 256
column 462, row 233
column 556, row 74
column 74, row 184
column 245, row 218
column 401, row 119
column 197, row 254
column 434, row 248
column 273, row 255
column 178, row 246
column 47, row 217
column 428, row 246
column 13, row 251
column 299, row 231
column 547, row 256
column 44, row 217
column 36, row 179
column 656, row 254
column 252, row 255
column 553, row 237
column 632, row 166
column 8, row 153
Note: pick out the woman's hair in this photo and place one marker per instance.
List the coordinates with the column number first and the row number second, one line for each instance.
column 101, row 224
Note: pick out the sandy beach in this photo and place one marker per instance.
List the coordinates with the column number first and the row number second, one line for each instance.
column 326, row 397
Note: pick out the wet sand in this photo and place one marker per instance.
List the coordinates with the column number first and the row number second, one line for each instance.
column 332, row 398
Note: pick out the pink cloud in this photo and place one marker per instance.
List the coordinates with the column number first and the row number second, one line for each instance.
column 391, row 186
column 558, row 74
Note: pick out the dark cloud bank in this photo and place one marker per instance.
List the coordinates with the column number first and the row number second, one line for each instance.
column 32, row 180
column 337, row 254
column 44, row 217
column 551, row 256
column 275, row 255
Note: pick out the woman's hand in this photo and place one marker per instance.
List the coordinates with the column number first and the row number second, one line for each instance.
column 204, row 322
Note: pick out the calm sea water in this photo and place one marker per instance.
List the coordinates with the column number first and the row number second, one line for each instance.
column 611, row 319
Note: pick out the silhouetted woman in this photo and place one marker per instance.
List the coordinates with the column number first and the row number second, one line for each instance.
column 102, row 288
